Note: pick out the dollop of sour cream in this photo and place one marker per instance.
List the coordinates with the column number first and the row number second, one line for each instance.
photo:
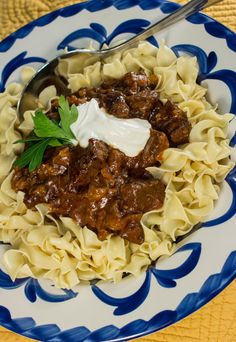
column 128, row 135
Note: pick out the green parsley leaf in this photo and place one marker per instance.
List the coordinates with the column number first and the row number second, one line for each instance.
column 46, row 128
column 33, row 155
column 38, row 156
column 55, row 142
column 27, row 140
column 67, row 115
column 47, row 133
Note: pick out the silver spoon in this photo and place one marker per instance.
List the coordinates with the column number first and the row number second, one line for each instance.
column 47, row 74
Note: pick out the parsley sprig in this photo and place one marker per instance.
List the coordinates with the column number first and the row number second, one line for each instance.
column 47, row 133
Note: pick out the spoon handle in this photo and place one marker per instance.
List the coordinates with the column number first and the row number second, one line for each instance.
column 183, row 12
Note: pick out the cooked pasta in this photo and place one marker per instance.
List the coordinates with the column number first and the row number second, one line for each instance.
column 41, row 246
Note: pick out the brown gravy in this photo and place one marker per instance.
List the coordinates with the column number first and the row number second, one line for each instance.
column 99, row 186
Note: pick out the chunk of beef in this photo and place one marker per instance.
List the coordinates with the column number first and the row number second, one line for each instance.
column 133, row 231
column 115, row 104
column 142, row 103
column 133, row 82
column 55, row 164
column 152, row 152
column 87, row 163
column 20, row 179
column 172, row 120
column 140, row 196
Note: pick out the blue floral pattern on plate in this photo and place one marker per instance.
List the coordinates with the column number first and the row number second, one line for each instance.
column 33, row 289
column 98, row 33
column 16, row 63
column 193, row 301
column 165, row 278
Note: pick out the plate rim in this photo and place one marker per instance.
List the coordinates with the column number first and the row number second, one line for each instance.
column 225, row 277
column 7, row 42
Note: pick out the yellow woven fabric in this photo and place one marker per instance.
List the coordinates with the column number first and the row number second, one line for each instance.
column 16, row 13
column 216, row 321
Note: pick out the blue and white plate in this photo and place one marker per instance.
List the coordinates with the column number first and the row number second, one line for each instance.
column 205, row 262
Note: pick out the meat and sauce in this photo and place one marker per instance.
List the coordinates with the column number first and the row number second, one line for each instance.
column 135, row 96
column 99, row 186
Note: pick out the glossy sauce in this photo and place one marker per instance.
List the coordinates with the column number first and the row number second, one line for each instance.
column 98, row 185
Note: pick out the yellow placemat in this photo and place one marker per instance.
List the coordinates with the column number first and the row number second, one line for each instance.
column 16, row 13
column 215, row 322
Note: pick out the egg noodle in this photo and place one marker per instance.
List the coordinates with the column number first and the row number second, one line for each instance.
column 41, row 246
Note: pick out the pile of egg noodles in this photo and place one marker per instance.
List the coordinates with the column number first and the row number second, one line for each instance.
column 41, row 246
